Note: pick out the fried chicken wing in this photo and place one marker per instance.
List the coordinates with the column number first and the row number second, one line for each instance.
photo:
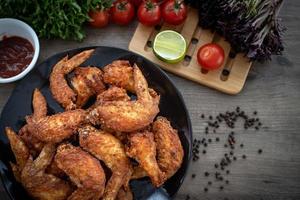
column 39, row 105
column 87, row 81
column 142, row 148
column 138, row 172
column 84, row 170
column 20, row 151
column 119, row 73
column 112, row 94
column 42, row 186
column 169, row 149
column 110, row 150
column 128, row 116
column 59, row 87
column 124, row 194
column 57, row 127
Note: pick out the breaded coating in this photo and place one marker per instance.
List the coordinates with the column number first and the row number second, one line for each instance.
column 138, row 172
column 112, row 94
column 142, row 148
column 58, row 127
column 169, row 149
column 42, row 186
column 124, row 194
column 119, row 73
column 128, row 116
column 59, row 87
column 39, row 105
column 20, row 151
column 87, row 81
column 110, row 150
column 84, row 171
column 55, row 170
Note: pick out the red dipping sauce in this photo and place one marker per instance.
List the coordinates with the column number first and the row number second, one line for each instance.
column 16, row 54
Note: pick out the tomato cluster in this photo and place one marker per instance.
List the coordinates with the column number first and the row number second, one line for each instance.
column 149, row 12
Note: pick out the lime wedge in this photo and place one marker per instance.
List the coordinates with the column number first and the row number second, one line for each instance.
column 169, row 46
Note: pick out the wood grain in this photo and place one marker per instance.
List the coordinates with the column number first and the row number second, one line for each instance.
column 273, row 89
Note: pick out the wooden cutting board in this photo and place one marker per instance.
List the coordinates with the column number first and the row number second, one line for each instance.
column 230, row 78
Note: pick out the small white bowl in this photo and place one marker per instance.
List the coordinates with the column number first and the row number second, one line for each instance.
column 14, row 27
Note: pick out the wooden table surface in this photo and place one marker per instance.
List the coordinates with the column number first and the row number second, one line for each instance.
column 273, row 89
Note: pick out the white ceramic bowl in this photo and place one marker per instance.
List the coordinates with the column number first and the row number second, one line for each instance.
column 14, row 27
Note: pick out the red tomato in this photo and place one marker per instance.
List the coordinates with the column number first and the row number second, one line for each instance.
column 211, row 56
column 174, row 12
column 149, row 13
column 99, row 18
column 122, row 12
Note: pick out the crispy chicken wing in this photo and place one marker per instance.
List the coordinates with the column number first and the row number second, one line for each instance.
column 59, row 87
column 84, row 170
column 169, row 149
column 138, row 172
column 57, row 127
column 20, row 151
column 124, row 194
column 142, row 148
column 128, row 116
column 119, row 73
column 39, row 105
column 42, row 186
column 87, row 81
column 110, row 150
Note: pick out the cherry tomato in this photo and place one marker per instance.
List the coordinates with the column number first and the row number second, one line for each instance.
column 136, row 3
column 149, row 13
column 174, row 12
column 122, row 12
column 210, row 56
column 99, row 18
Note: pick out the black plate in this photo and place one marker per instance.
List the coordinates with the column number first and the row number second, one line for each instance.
column 171, row 106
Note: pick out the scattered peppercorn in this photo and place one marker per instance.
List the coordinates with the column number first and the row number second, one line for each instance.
column 187, row 197
column 193, row 175
column 229, row 118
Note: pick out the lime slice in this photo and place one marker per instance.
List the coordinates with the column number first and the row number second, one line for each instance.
column 169, row 46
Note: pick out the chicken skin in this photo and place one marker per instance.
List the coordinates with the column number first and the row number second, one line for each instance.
column 169, row 149
column 128, row 116
column 20, row 151
column 58, row 127
column 119, row 73
column 42, row 186
column 84, row 170
column 142, row 148
column 59, row 87
column 110, row 150
column 87, row 81
column 124, row 194
column 39, row 105
column 138, row 172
